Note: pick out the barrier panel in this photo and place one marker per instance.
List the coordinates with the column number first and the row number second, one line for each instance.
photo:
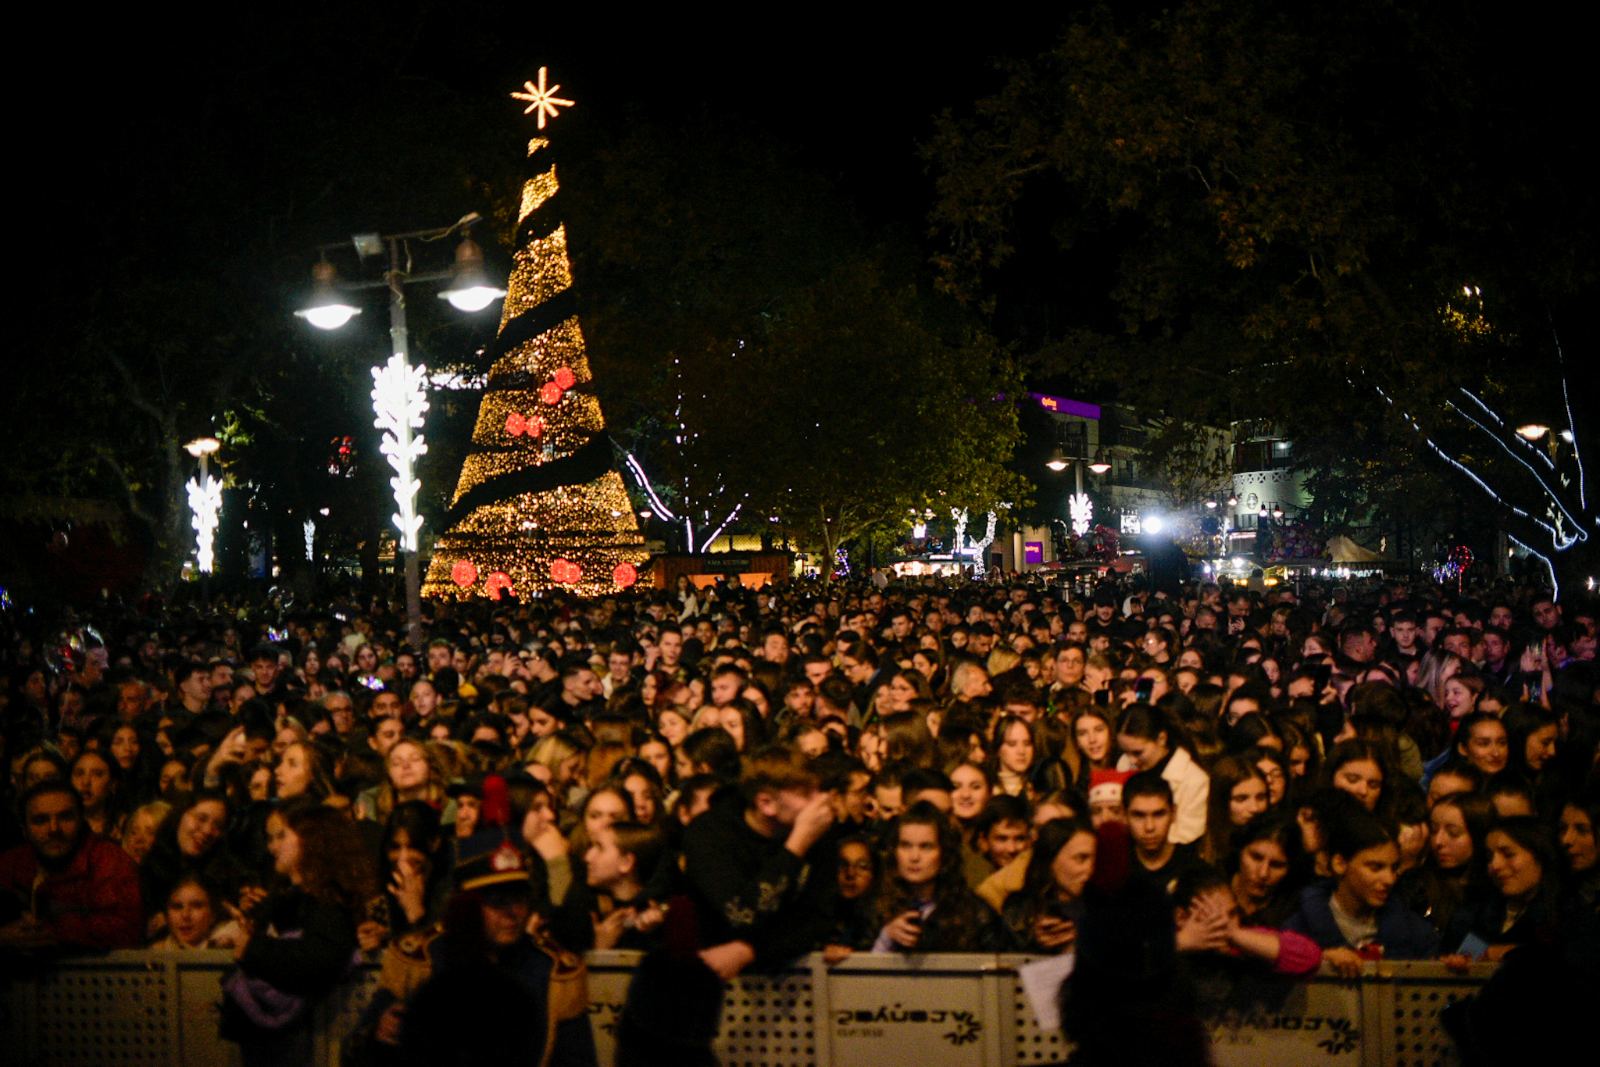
column 160, row 1008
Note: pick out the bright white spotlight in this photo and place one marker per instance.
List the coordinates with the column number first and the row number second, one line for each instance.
column 475, row 298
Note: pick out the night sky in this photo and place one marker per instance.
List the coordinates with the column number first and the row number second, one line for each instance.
column 854, row 94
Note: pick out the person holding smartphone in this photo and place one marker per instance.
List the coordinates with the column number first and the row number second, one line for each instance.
column 1044, row 914
column 924, row 905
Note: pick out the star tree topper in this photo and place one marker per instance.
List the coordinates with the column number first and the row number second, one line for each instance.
column 541, row 100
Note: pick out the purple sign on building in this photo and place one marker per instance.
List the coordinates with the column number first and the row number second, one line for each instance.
column 1061, row 405
column 1033, row 551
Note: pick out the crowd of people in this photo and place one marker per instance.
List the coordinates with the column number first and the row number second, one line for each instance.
column 1168, row 784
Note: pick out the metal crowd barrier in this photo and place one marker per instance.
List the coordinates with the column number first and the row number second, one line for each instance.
column 159, row 1008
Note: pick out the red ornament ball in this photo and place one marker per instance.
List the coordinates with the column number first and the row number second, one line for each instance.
column 625, row 575
column 516, row 424
column 550, row 393
column 565, row 571
column 535, row 426
column 565, row 378
column 464, row 573
column 498, row 582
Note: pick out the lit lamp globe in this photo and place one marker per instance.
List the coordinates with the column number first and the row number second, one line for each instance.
column 202, row 446
column 1057, row 461
column 327, row 310
column 470, row 289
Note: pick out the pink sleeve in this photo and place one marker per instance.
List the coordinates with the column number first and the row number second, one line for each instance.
column 1297, row 954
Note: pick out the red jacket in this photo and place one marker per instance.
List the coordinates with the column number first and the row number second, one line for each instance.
column 92, row 904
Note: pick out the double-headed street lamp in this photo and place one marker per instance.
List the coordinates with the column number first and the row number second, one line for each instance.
column 399, row 390
column 1081, row 510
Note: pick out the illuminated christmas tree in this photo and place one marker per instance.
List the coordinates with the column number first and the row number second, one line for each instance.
column 540, row 503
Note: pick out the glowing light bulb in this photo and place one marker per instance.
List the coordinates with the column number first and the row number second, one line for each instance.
column 475, row 298
column 328, row 316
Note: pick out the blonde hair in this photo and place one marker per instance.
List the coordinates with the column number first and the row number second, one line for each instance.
column 1002, row 660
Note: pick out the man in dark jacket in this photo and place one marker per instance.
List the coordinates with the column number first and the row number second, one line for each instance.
column 749, row 868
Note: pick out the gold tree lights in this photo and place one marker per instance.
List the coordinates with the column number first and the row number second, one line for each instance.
column 540, row 504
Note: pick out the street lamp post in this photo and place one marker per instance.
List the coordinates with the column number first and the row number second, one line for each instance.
column 399, row 393
column 1079, row 506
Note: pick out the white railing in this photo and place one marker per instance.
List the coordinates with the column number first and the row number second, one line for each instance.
column 159, row 1008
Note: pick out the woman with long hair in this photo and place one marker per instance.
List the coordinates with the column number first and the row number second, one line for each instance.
column 924, row 904
column 192, row 840
column 412, row 772
column 1094, row 739
column 1434, row 669
column 1266, row 868
column 1576, row 827
column 1532, row 733
column 859, row 871
column 643, row 783
column 1361, row 769
column 302, row 771
column 608, row 804
column 98, row 782
column 743, row 723
column 1239, row 793
column 1016, row 752
column 1302, row 747
column 1043, row 915
column 1274, row 767
column 930, row 664
column 139, row 832
column 123, row 746
column 657, row 752
column 1529, row 903
column 296, row 942
column 1454, row 870
column 413, row 864
column 673, row 722
column 906, row 686
column 1482, row 740
column 1151, row 741
column 970, row 789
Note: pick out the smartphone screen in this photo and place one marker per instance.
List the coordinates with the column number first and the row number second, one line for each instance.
column 1142, row 690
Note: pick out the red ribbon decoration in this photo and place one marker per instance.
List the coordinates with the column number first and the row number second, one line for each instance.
column 498, row 582
column 517, row 424
column 464, row 573
column 625, row 575
column 565, row 571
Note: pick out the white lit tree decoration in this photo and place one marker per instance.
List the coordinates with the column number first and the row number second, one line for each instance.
column 690, row 499
column 1081, row 509
column 977, row 549
column 1532, row 471
column 309, row 528
column 399, row 399
column 205, row 505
